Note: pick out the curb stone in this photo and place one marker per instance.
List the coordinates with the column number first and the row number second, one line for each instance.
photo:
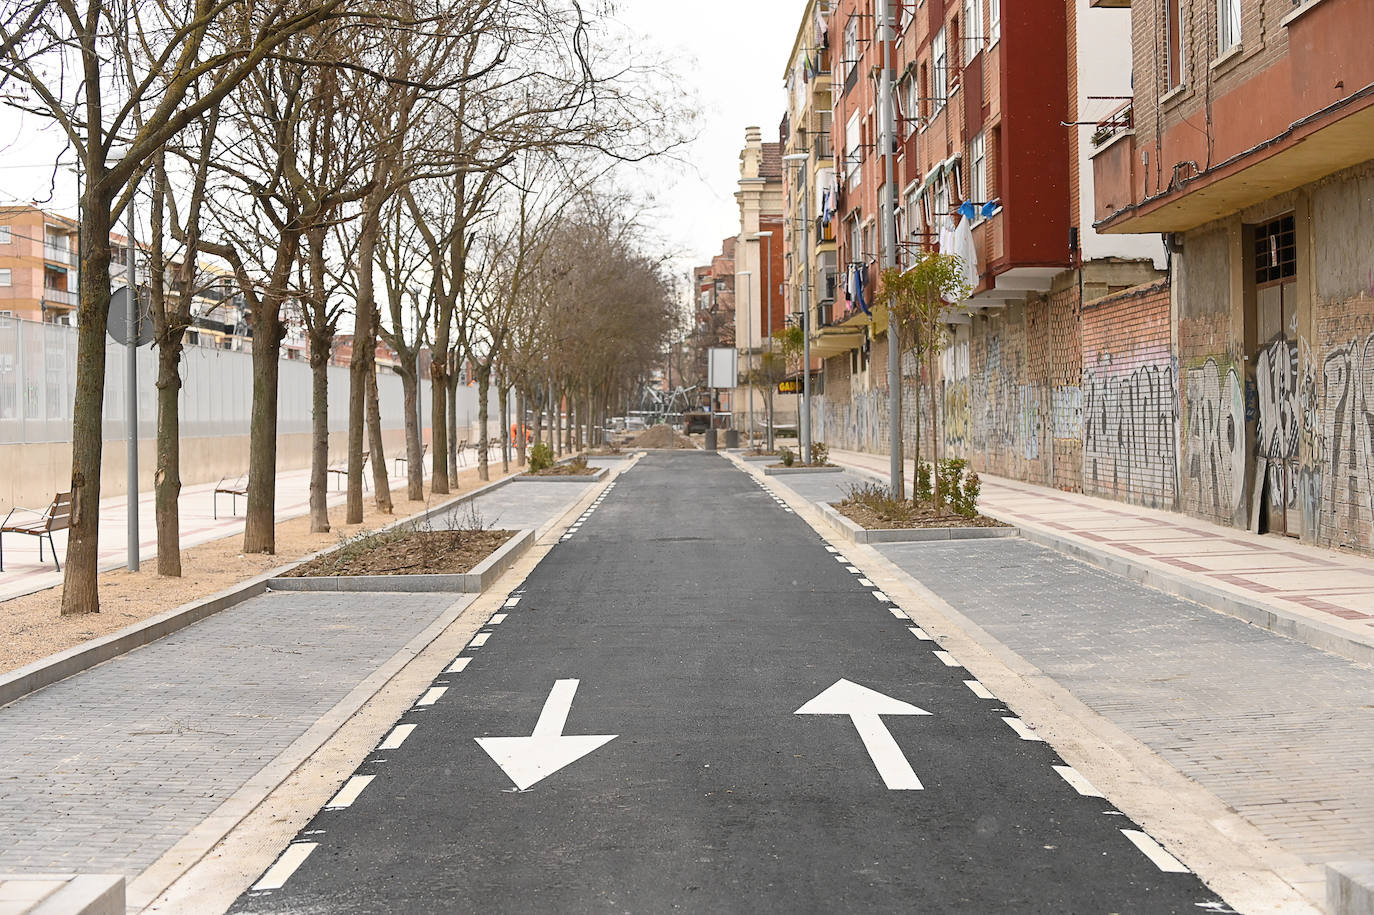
column 475, row 581
column 596, row 477
column 851, row 530
column 1350, row 887
column 786, row 471
column 63, row 664
column 62, row 894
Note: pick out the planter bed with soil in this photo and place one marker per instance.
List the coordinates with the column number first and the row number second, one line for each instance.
column 774, row 470
column 863, row 525
column 572, row 472
column 412, row 561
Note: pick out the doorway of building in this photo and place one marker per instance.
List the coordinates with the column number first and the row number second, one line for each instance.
column 1276, row 373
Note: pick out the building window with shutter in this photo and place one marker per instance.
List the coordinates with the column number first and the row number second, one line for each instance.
column 978, row 169
column 994, row 20
column 1228, row 25
column 1173, row 45
column 939, row 78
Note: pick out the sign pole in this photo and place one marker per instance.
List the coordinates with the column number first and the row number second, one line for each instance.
column 131, row 317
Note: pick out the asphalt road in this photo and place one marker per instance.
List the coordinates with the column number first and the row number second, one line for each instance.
column 692, row 617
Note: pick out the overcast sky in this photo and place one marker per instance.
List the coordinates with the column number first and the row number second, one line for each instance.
column 730, row 53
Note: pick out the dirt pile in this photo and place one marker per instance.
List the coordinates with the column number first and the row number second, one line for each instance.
column 661, row 436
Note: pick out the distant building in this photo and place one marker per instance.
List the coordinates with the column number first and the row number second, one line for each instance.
column 38, row 265
column 713, row 320
column 759, row 306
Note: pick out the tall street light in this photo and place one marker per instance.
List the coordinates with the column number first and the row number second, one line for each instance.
column 748, row 346
column 768, row 299
column 888, row 217
column 804, row 160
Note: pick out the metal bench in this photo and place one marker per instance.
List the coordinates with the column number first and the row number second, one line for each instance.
column 342, row 471
column 404, row 459
column 462, row 446
column 57, row 517
column 231, row 488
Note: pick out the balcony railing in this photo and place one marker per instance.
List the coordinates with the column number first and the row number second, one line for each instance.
column 60, row 297
column 59, row 255
column 1119, row 121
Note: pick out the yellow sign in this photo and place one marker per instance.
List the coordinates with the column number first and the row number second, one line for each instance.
column 790, row 387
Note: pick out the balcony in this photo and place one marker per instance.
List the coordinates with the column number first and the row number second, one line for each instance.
column 60, row 297
column 54, row 254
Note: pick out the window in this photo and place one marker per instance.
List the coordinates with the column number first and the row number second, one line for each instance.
column 939, row 55
column 978, row 169
column 973, row 25
column 1276, row 251
column 1228, row 24
column 912, row 239
column 912, row 90
column 868, row 247
column 1173, row 45
column 994, row 20
column 853, row 151
column 4, row 276
column 5, row 235
column 851, row 44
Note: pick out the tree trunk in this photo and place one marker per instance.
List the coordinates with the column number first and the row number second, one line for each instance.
column 483, row 439
column 260, row 529
column 415, row 466
column 361, row 362
column 320, row 345
column 381, row 480
column 504, row 398
column 452, row 393
column 521, row 439
column 167, row 474
column 441, row 457
column 80, row 593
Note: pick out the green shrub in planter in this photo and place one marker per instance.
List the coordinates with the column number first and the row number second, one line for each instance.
column 787, row 457
column 541, row 457
column 820, row 453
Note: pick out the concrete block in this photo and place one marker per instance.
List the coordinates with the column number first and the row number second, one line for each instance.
column 851, row 530
column 598, row 476
column 62, row 894
column 1350, row 887
column 475, row 581
column 786, row 471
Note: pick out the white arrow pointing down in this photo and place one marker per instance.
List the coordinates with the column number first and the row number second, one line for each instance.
column 865, row 708
column 529, row 760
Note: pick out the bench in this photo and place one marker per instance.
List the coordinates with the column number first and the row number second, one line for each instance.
column 404, row 459
column 462, row 446
column 57, row 517
column 231, row 488
column 342, row 471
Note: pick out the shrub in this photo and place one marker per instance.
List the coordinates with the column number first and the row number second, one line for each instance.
column 878, row 499
column 924, row 490
column 820, row 453
column 541, row 457
column 960, row 490
column 787, row 457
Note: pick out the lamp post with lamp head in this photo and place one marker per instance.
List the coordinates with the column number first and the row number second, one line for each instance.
column 804, row 160
column 768, row 304
column 748, row 346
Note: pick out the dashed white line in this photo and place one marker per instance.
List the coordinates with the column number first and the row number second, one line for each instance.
column 947, row 659
column 479, row 640
column 882, row 597
column 397, row 737
column 1022, row 729
column 1077, row 781
column 831, row 549
column 1155, row 852
column 865, row 583
column 432, row 695
column 920, row 633
column 349, row 792
column 853, row 570
column 841, row 559
column 497, row 619
column 979, row 689
column 898, row 612
column 458, row 665
column 286, row 865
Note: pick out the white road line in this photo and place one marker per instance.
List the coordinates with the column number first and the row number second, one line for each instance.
column 979, row 689
column 432, row 695
column 479, row 640
column 458, row 665
column 865, row 583
column 1077, row 781
column 1022, row 729
column 286, row 865
column 397, row 737
column 899, row 612
column 920, row 633
column 882, row 597
column 496, row 619
column 349, row 792
column 841, row 560
column 853, row 570
column 831, row 549
column 1152, row 850
column 947, row 659
column 789, row 511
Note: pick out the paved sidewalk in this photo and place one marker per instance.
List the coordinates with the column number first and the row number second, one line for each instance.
column 108, row 769
column 1279, row 731
column 1320, row 596
column 24, row 573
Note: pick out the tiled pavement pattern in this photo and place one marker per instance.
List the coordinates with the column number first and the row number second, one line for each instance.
column 1282, row 732
column 105, row 771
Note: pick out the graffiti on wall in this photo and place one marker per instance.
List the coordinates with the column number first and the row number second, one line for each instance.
column 1347, row 411
column 1129, row 441
column 1068, row 411
column 1007, row 415
column 1276, row 381
column 958, row 418
column 1215, row 459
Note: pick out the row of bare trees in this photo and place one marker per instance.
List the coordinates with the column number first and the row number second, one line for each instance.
column 433, row 174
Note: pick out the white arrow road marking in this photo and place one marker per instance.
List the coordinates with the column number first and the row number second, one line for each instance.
column 529, row 760
column 865, row 708
column 286, row 865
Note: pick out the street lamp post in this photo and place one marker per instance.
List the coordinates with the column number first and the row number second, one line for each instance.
column 748, row 346
column 888, row 217
column 131, row 316
column 768, row 298
column 804, row 159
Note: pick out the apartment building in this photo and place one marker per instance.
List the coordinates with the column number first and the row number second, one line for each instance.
column 759, row 303
column 38, row 265
column 1248, row 146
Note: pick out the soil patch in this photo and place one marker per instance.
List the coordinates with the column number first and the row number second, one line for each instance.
column 576, row 468
column 912, row 517
column 406, row 553
column 662, row 436
column 32, row 627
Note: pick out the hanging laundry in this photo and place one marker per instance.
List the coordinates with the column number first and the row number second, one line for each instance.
column 968, row 210
column 990, row 207
column 859, row 272
column 946, row 237
column 967, row 252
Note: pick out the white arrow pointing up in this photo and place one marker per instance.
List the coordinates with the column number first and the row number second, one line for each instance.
column 864, row 706
column 528, row 760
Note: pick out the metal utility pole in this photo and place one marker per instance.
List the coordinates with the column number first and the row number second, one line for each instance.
column 804, row 159
column 888, row 226
column 131, row 316
column 749, row 346
column 768, row 287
